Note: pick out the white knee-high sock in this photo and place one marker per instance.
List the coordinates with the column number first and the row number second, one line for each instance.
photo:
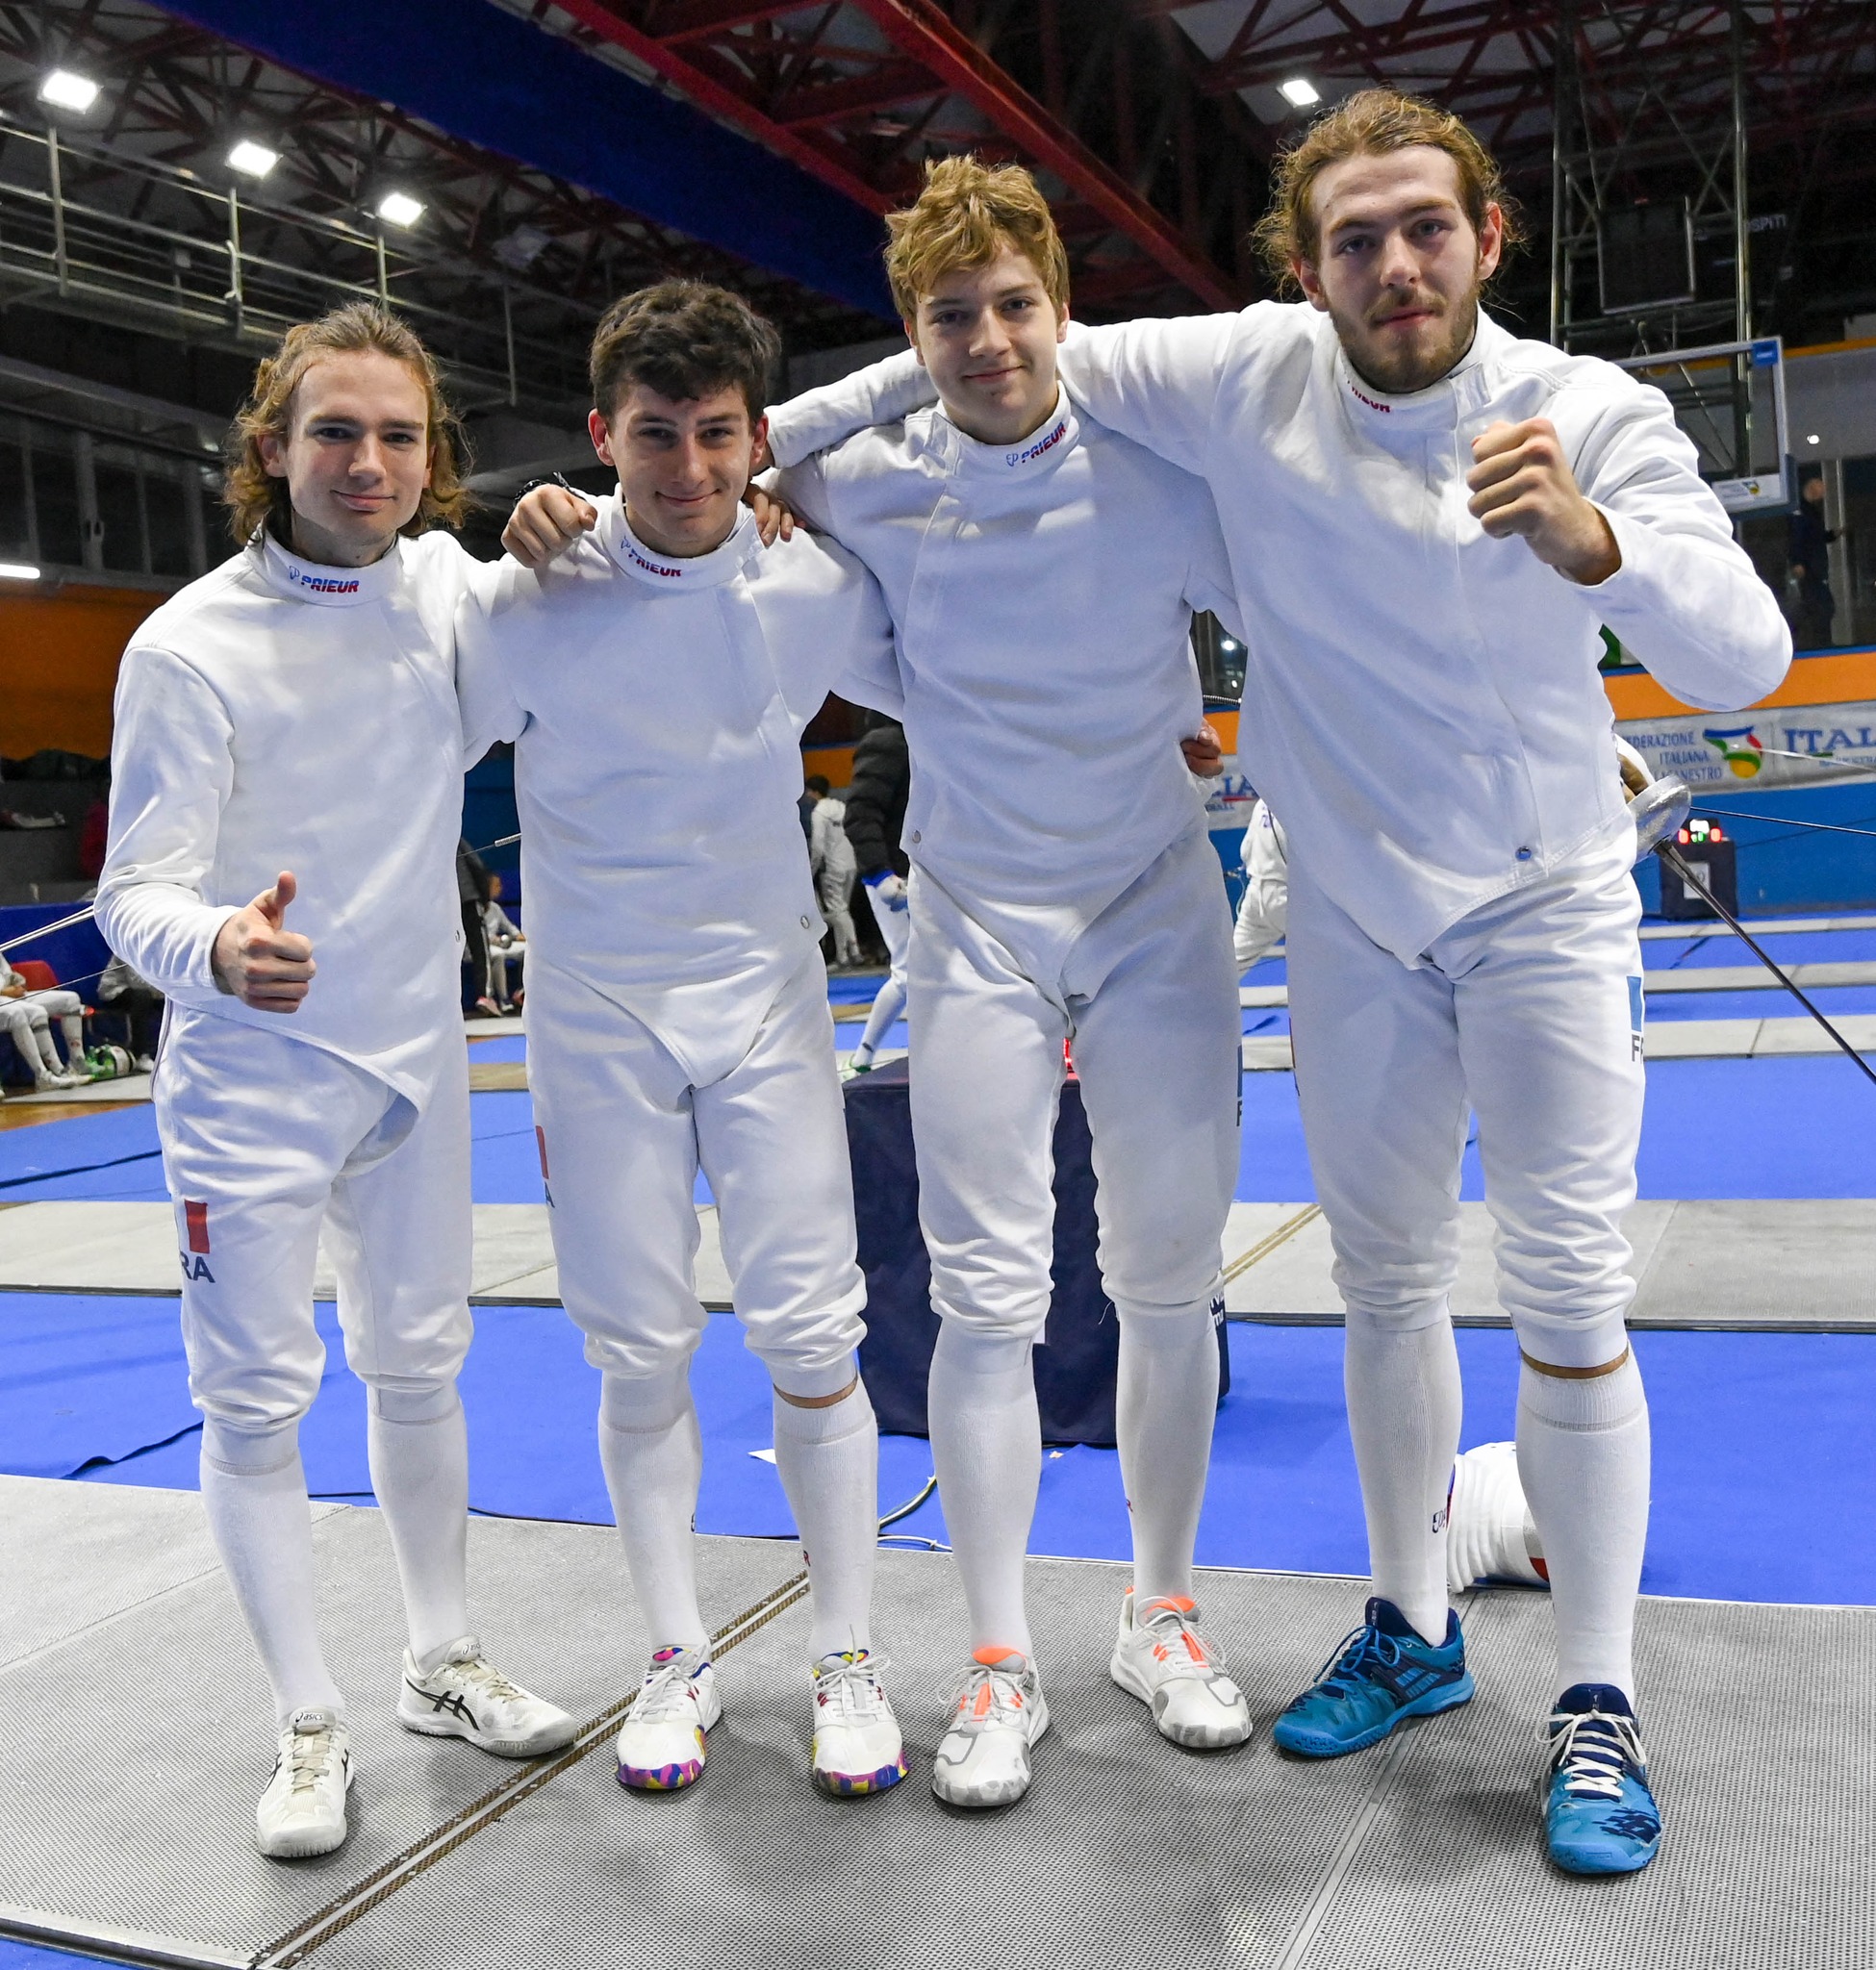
column 1403, row 1402
column 652, row 1453
column 986, row 1445
column 48, row 1061
column 418, row 1443
column 1583, row 1460
column 1166, row 1405
column 74, row 1024
column 828, row 1462
column 254, row 1491
column 886, row 1008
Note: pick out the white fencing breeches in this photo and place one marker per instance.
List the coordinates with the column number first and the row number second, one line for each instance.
column 1529, row 1009
column 834, row 891
column 1148, row 995
column 267, row 1140
column 624, row 1133
column 896, row 929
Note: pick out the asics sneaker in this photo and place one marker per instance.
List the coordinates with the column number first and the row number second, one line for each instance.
column 302, row 1813
column 1489, row 1531
column 1599, row 1815
column 858, row 1747
column 464, row 1696
column 1160, row 1657
column 983, row 1760
column 1381, row 1674
column 662, row 1744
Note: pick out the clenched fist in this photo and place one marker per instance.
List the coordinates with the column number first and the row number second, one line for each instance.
column 1522, row 484
column 257, row 960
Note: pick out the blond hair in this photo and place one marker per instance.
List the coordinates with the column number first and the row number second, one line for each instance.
column 254, row 496
column 968, row 213
column 1371, row 124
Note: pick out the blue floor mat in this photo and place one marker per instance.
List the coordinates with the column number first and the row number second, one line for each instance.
column 1787, row 946
column 30, row 1957
column 1774, row 1003
column 1728, row 1409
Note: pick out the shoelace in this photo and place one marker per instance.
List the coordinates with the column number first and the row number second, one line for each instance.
column 1592, row 1750
column 666, row 1690
column 488, row 1678
column 310, row 1759
column 1181, row 1646
column 1341, row 1673
column 1006, row 1697
column 852, row 1690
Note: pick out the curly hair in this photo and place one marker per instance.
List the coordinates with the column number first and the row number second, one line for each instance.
column 1371, row 124
column 686, row 339
column 254, row 496
column 965, row 216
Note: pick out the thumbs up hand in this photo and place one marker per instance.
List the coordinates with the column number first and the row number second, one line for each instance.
column 259, row 961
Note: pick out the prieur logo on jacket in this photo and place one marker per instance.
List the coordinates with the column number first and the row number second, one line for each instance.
column 1042, row 444
column 638, row 560
column 1356, row 390
column 322, row 584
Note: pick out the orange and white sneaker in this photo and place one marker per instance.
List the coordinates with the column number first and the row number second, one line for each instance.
column 1160, row 1657
column 983, row 1759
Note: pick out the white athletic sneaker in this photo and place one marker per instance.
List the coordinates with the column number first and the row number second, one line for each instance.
column 1489, row 1534
column 302, row 1813
column 662, row 1746
column 1164, row 1659
column 857, row 1747
column 465, row 1697
column 983, row 1760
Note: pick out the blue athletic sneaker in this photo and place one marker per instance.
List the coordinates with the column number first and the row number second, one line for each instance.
column 1381, row 1674
column 1600, row 1817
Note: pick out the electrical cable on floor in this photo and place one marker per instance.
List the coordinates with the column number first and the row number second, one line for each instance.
column 1673, row 858
column 905, row 1511
column 1822, row 827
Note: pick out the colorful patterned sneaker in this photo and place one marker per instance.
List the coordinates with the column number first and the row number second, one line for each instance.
column 857, row 1749
column 1160, row 1657
column 1599, row 1814
column 464, row 1696
column 1489, row 1532
column 1381, row 1674
column 662, row 1746
column 983, row 1760
column 302, row 1813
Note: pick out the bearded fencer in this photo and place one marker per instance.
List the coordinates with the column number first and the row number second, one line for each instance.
column 313, row 1082
column 656, row 682
column 1041, row 570
column 1430, row 521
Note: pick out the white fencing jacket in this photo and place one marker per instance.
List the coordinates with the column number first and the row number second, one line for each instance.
column 1422, row 702
column 278, row 714
column 1263, row 911
column 656, row 707
column 1042, row 596
column 828, row 847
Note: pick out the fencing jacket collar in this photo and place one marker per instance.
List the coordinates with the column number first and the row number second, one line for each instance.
column 671, row 572
column 1027, row 460
column 332, row 587
column 1386, row 418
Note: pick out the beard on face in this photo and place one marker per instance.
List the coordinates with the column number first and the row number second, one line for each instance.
column 1400, row 368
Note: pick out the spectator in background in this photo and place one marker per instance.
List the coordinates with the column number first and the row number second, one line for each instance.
column 26, row 1016
column 507, row 949
column 123, row 991
column 875, row 817
column 831, row 856
column 472, row 891
column 1810, row 550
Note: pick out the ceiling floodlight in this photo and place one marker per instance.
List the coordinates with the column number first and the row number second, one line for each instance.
column 252, row 160
column 400, row 207
column 1814, row 439
column 64, row 90
column 1299, row 93
column 18, row 570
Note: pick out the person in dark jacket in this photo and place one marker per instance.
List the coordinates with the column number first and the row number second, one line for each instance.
column 1810, row 551
column 875, row 817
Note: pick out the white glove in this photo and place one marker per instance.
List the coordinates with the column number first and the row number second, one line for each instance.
column 888, row 889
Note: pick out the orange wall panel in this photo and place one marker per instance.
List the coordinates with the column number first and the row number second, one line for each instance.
column 1842, row 677
column 59, row 655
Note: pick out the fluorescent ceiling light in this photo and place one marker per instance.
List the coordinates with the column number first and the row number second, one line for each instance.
column 64, row 90
column 252, row 160
column 1814, row 439
column 1298, row 92
column 400, row 207
column 17, row 570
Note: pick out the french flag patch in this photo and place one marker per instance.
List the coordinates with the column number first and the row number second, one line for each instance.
column 196, row 1222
